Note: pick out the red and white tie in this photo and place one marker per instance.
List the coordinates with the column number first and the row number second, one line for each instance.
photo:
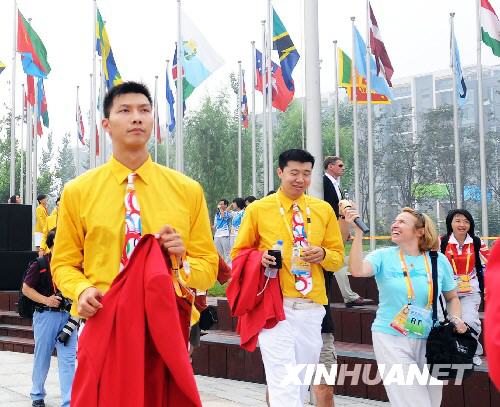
column 133, row 224
column 303, row 283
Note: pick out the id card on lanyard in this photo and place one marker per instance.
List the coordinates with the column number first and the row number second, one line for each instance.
column 411, row 318
column 463, row 280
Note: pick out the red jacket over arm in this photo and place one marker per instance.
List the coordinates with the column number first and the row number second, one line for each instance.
column 492, row 314
column 133, row 352
column 254, row 311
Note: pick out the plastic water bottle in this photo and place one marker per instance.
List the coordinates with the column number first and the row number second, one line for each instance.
column 272, row 272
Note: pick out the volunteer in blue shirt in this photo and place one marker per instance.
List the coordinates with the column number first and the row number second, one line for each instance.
column 237, row 217
column 404, row 279
column 222, row 223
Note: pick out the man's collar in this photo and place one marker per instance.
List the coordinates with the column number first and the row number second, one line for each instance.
column 287, row 203
column 121, row 172
column 332, row 178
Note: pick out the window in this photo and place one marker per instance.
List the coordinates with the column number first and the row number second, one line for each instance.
column 401, row 91
column 443, row 98
column 443, row 84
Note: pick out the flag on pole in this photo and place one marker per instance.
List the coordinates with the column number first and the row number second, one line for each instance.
column 378, row 83
column 282, row 96
column 42, row 113
column 287, row 52
column 158, row 129
column 79, row 120
column 461, row 90
column 103, row 48
column 199, row 61
column 30, row 85
column 244, row 102
column 170, row 103
column 96, row 141
column 2, row 66
column 377, row 46
column 32, row 50
column 490, row 27
column 345, row 81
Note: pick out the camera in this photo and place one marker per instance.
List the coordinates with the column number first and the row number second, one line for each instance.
column 68, row 329
column 65, row 304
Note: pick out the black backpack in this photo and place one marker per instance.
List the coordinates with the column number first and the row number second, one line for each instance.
column 26, row 306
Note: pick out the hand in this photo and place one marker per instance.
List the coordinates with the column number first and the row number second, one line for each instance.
column 53, row 301
column 267, row 260
column 171, row 242
column 313, row 254
column 41, row 253
column 460, row 326
column 89, row 302
column 351, row 214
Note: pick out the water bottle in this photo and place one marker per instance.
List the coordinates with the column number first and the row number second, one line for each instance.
column 277, row 252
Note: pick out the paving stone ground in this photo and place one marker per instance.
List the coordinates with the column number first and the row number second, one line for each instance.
column 15, row 385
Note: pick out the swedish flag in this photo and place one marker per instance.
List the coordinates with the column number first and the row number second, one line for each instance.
column 103, row 48
column 287, row 52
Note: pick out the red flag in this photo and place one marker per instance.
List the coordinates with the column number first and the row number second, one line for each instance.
column 379, row 51
column 31, row 89
column 158, row 130
column 282, row 96
column 96, row 141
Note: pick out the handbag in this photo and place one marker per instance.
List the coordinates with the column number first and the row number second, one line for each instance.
column 445, row 348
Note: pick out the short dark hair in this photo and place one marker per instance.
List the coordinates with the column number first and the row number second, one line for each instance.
column 13, row 199
column 240, row 203
column 295, row 154
column 50, row 238
column 40, row 197
column 123, row 89
column 464, row 212
column 226, row 202
column 331, row 159
column 250, row 199
column 272, row 191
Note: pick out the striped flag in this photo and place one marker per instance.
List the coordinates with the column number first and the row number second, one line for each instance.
column 382, row 60
column 244, row 103
column 79, row 121
column 490, row 27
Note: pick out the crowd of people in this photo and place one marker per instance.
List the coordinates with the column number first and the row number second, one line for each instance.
column 286, row 247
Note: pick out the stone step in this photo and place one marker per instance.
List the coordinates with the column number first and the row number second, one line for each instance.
column 8, row 300
column 13, row 318
column 18, row 331
column 17, row 344
column 220, row 356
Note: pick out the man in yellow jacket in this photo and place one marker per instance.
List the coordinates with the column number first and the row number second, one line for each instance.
column 41, row 214
column 49, row 225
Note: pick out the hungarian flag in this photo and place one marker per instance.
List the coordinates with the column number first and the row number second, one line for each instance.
column 2, row 66
column 244, row 103
column 31, row 48
column 345, row 81
column 282, row 96
column 378, row 50
column 490, row 27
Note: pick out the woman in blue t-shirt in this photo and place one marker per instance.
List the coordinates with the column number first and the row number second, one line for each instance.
column 404, row 317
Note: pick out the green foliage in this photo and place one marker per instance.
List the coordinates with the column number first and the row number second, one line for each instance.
column 5, row 160
column 46, row 180
column 430, row 191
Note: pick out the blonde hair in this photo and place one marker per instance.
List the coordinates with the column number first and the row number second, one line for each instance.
column 429, row 240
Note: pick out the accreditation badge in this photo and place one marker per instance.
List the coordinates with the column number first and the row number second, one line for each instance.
column 463, row 284
column 399, row 321
column 419, row 320
column 300, row 267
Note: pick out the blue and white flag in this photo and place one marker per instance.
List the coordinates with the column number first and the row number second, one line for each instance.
column 461, row 89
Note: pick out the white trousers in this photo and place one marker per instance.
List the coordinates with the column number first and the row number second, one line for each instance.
column 390, row 350
column 470, row 314
column 223, row 246
column 345, row 286
column 295, row 340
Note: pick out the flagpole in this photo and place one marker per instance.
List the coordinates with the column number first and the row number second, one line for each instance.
column 239, row 130
column 265, row 158
column 482, row 151
column 35, row 153
column 77, row 132
column 270, row 94
column 155, row 124
column 336, row 105
column 21, row 175
column 102, row 134
column 371, row 175
column 357, row 196
column 179, row 143
column 167, row 139
column 29, row 154
column 313, row 96
column 254, row 147
column 93, row 121
column 458, row 179
column 12, row 182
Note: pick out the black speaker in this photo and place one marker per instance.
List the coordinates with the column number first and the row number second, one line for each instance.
column 13, row 264
column 17, row 233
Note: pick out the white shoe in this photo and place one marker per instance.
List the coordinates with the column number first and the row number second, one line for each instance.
column 477, row 361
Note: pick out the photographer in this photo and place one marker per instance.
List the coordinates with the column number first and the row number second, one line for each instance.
column 49, row 319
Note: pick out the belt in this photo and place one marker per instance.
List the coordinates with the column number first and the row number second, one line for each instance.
column 300, row 303
column 45, row 308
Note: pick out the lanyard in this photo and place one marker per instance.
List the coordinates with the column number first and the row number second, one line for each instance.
column 455, row 265
column 288, row 227
column 409, row 286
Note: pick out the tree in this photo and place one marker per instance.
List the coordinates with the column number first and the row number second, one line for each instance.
column 5, row 159
column 65, row 166
column 46, row 180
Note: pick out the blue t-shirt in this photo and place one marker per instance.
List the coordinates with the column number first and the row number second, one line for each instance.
column 236, row 222
column 391, row 284
column 222, row 224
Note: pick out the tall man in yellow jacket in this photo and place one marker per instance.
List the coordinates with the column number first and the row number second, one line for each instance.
column 311, row 242
column 41, row 214
column 91, row 221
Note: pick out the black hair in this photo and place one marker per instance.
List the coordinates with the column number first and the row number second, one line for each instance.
column 13, row 199
column 295, row 154
column 50, row 238
column 250, row 199
column 451, row 215
column 240, row 203
column 40, row 197
column 272, row 191
column 226, row 202
column 123, row 89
